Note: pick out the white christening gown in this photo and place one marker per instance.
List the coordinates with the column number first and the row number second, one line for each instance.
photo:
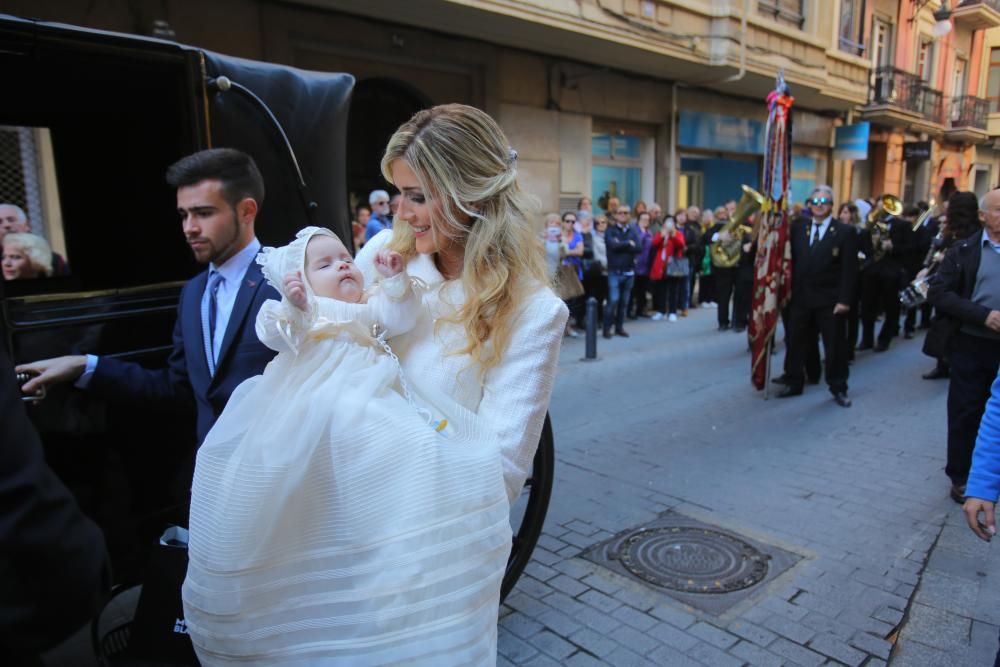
column 330, row 523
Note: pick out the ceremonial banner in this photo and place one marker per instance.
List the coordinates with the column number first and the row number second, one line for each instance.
column 772, row 282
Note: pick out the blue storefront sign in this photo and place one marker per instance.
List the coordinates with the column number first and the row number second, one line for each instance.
column 714, row 131
column 851, row 142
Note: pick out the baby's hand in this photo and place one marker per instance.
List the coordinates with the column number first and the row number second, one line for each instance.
column 388, row 262
column 296, row 289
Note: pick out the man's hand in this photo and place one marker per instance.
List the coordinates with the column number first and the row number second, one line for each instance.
column 972, row 507
column 922, row 273
column 388, row 263
column 887, row 245
column 993, row 320
column 746, row 247
column 295, row 289
column 54, row 371
column 841, row 309
column 725, row 237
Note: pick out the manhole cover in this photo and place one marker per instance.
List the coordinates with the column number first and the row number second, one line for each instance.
column 701, row 565
column 692, row 560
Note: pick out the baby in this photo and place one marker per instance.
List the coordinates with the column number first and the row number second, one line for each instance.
column 323, row 488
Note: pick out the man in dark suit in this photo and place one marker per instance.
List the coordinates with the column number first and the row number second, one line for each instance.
column 966, row 289
column 215, row 346
column 824, row 271
column 53, row 562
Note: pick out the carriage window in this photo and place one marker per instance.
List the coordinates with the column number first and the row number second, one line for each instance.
column 31, row 226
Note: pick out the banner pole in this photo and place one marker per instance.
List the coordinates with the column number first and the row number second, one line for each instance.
column 768, row 349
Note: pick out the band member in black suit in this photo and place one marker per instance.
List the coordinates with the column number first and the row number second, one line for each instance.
column 824, row 271
column 924, row 236
column 728, row 278
column 884, row 275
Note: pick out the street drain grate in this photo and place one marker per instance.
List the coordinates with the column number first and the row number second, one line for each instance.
column 698, row 564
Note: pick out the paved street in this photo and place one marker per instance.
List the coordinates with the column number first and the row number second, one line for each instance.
column 667, row 420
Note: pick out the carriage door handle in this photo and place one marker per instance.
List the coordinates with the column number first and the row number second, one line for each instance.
column 37, row 396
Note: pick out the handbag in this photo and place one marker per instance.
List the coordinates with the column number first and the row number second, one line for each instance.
column 677, row 267
column 158, row 630
column 567, row 283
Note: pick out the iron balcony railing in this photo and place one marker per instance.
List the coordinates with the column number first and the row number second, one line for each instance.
column 907, row 91
column 969, row 111
column 931, row 104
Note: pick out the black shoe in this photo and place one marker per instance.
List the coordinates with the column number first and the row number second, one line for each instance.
column 622, row 333
column 607, row 333
column 725, row 327
column 936, row 373
column 957, row 493
column 788, row 392
column 739, row 329
column 633, row 317
column 840, row 397
column 812, row 380
column 865, row 345
column 781, row 379
column 881, row 347
column 907, row 335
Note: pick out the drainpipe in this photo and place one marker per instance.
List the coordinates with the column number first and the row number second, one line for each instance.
column 743, row 46
column 674, row 175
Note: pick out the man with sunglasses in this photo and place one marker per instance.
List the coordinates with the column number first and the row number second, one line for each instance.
column 824, row 273
column 623, row 244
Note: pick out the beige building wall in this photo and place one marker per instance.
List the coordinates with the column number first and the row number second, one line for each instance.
column 551, row 71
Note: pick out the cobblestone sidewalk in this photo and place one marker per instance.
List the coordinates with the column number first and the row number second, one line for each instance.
column 667, row 420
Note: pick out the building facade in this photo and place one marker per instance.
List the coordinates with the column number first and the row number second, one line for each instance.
column 930, row 132
column 645, row 99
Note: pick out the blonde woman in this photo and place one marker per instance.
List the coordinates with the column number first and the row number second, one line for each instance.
column 26, row 256
column 482, row 354
column 487, row 341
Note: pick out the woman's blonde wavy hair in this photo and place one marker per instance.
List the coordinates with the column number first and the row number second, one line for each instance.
column 35, row 248
column 463, row 161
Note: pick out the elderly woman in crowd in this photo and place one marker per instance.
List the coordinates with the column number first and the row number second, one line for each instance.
column 26, row 256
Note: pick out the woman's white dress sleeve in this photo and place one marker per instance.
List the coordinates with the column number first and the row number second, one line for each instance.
column 516, row 393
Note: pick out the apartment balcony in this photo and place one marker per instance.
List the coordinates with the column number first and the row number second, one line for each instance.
column 967, row 120
column 903, row 99
column 978, row 14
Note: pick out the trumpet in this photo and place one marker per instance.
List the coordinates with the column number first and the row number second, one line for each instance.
column 921, row 219
column 915, row 294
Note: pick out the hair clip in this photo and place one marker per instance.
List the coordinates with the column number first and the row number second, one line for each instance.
column 512, row 156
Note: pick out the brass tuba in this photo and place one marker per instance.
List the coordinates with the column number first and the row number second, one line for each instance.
column 877, row 223
column 726, row 254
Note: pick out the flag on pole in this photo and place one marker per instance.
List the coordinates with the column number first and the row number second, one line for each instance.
column 772, row 282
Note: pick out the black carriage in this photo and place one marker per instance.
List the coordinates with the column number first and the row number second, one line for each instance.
column 89, row 123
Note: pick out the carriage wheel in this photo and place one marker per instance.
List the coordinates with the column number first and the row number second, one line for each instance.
column 528, row 512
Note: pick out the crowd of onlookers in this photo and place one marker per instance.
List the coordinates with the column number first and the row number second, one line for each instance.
column 638, row 263
column 917, row 267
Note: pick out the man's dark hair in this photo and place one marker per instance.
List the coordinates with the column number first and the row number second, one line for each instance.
column 963, row 215
column 912, row 212
column 235, row 169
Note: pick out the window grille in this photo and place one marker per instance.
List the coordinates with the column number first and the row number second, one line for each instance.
column 20, row 181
